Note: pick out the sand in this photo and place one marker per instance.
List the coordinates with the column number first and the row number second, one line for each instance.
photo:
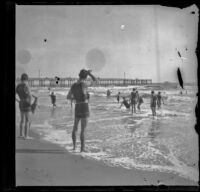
column 41, row 163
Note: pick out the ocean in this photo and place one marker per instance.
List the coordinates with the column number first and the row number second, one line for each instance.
column 165, row 143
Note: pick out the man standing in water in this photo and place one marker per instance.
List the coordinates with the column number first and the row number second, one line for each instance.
column 53, row 99
column 23, row 91
column 133, row 100
column 80, row 95
column 159, row 98
column 153, row 103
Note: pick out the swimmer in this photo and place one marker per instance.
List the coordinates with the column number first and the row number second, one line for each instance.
column 153, row 103
column 24, row 93
column 80, row 95
column 140, row 101
column 108, row 93
column 53, row 99
column 125, row 103
column 118, row 97
column 159, row 98
column 70, row 97
column 133, row 100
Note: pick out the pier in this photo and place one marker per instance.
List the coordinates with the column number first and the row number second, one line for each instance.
column 67, row 82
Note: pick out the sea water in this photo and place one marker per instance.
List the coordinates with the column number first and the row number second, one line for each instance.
column 167, row 142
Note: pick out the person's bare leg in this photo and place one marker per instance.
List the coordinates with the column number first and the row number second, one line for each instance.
column 134, row 108
column 27, row 124
column 82, row 135
column 21, row 125
column 75, row 128
column 152, row 111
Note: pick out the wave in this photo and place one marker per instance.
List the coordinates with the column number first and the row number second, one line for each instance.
column 63, row 138
column 120, row 138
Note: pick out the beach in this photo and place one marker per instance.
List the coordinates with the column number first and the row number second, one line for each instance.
column 114, row 139
column 40, row 163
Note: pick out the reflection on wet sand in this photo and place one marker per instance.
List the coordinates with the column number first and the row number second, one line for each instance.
column 154, row 129
column 53, row 112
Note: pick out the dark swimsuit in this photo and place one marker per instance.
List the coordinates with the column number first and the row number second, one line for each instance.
column 140, row 100
column 126, row 104
column 53, row 99
column 159, row 100
column 153, row 103
column 81, row 107
column 133, row 98
column 25, row 97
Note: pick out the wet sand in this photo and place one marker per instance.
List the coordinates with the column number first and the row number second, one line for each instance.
column 41, row 163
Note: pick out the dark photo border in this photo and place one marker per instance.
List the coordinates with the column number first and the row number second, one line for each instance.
column 8, row 115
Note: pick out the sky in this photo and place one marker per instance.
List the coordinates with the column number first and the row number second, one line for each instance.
column 115, row 41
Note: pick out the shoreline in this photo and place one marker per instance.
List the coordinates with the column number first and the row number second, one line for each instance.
column 41, row 163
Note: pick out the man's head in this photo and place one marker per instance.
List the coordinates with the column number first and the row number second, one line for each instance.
column 123, row 98
column 134, row 89
column 152, row 92
column 24, row 77
column 159, row 93
column 83, row 74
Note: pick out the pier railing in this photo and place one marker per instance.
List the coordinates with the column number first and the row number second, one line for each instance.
column 67, row 82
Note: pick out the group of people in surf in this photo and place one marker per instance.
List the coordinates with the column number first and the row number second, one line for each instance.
column 77, row 93
column 136, row 100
